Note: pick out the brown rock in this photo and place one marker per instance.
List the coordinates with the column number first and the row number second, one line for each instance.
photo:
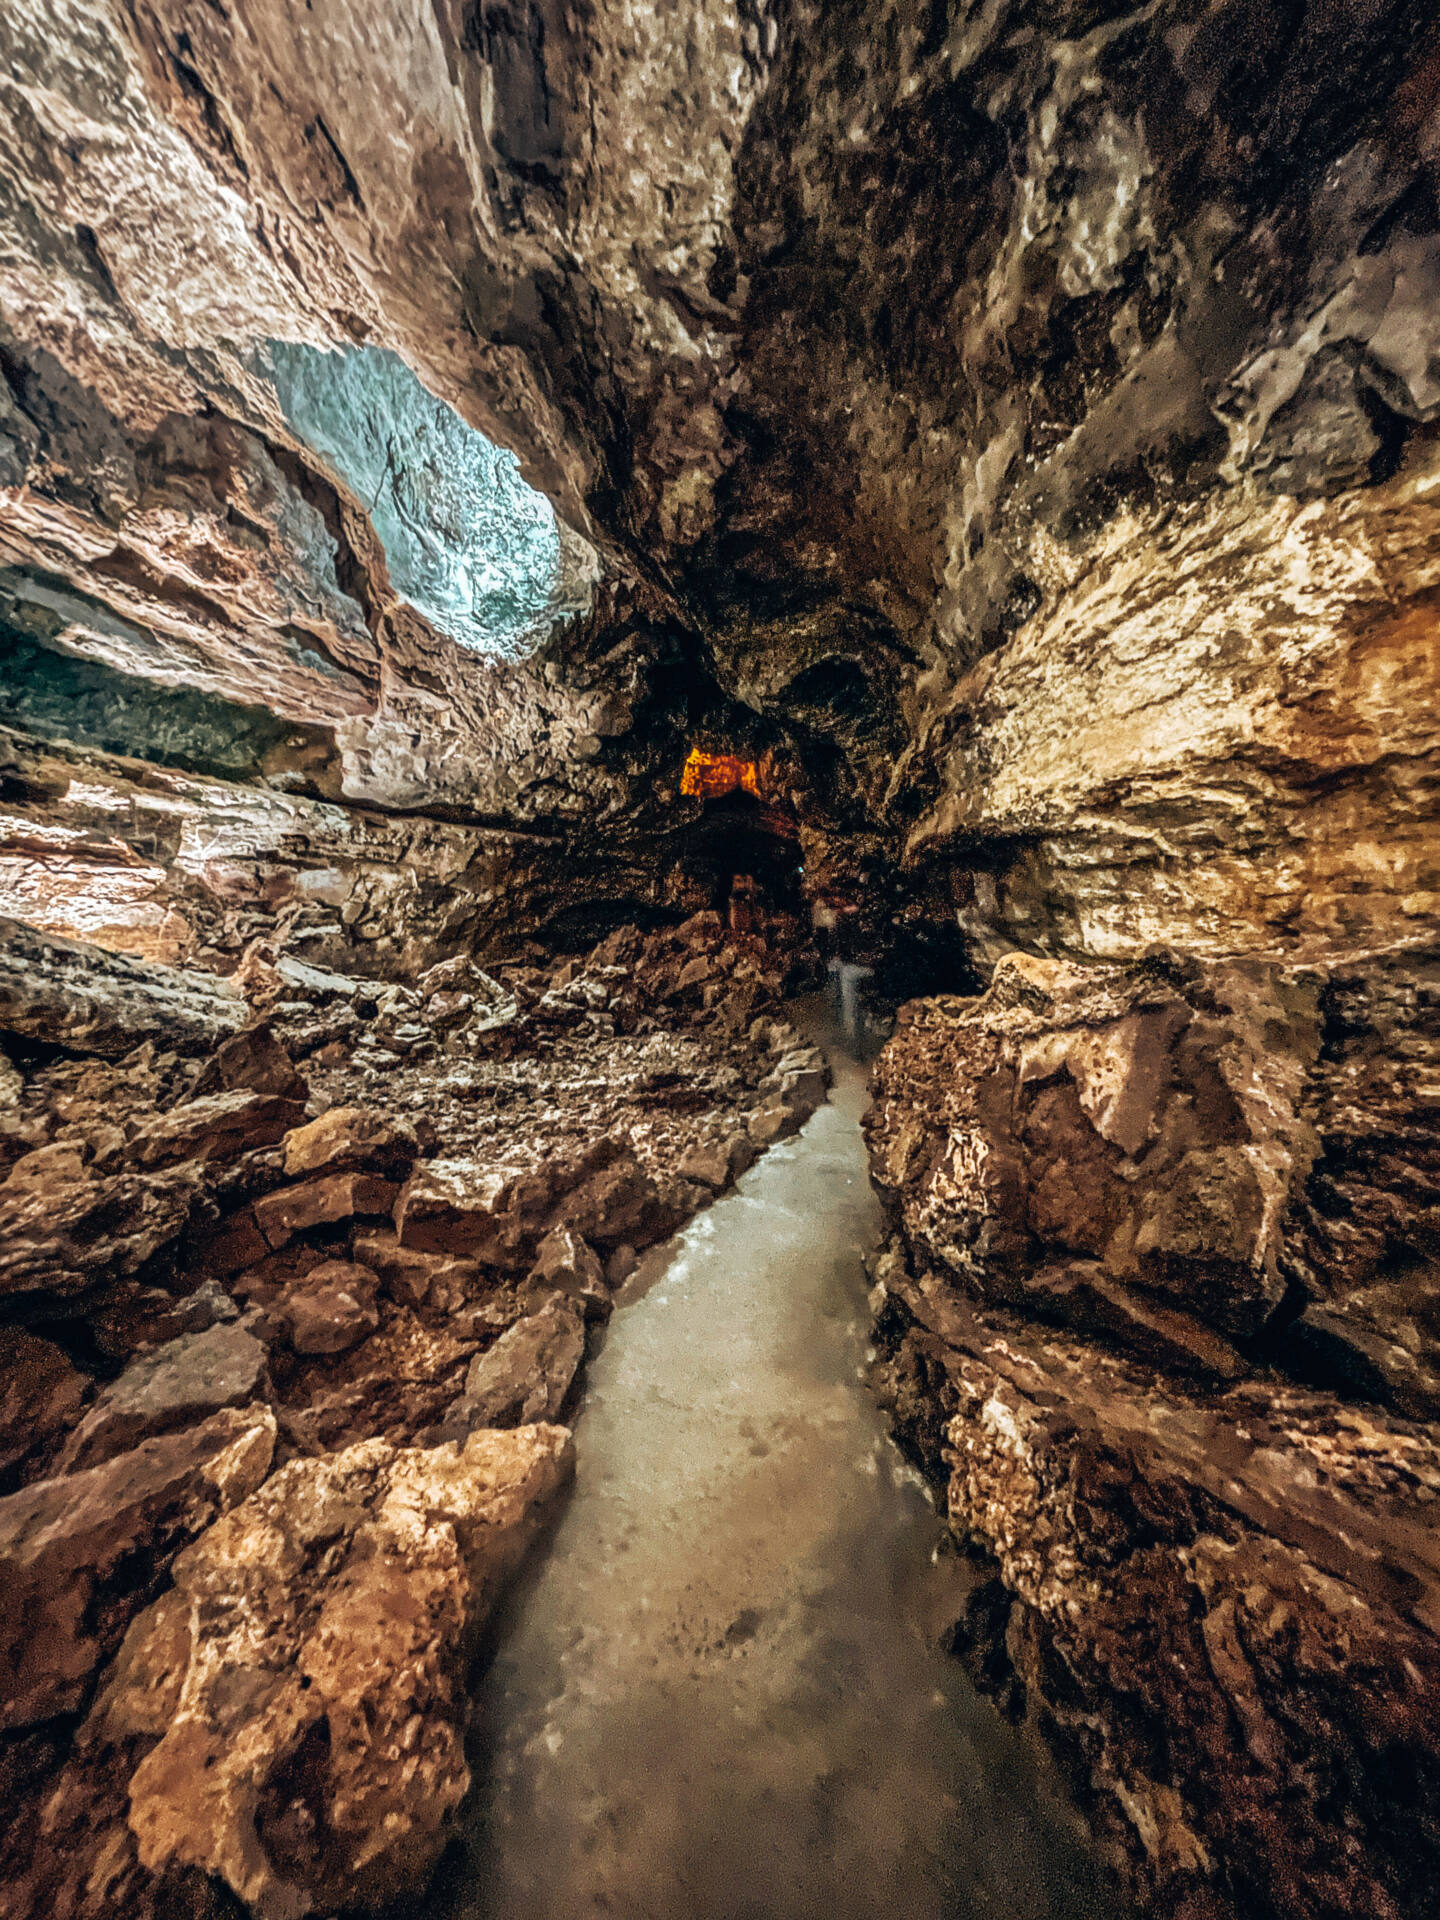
column 315, row 1650
column 41, row 1394
column 63, row 1231
column 409, row 1276
column 708, row 1162
column 253, row 1058
column 528, row 1372
column 318, row 1203
column 219, row 1127
column 331, row 1308
column 76, row 1553
column 174, row 1386
column 352, row 1140
column 565, row 1264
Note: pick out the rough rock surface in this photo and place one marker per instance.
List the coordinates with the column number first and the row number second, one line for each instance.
column 300, row 1687
column 1169, row 1343
column 1011, row 428
column 210, row 1268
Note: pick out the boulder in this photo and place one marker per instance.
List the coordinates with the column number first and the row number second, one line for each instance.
column 410, row 1276
column 331, row 1308
column 252, row 1058
column 306, row 1674
column 64, row 1231
column 528, row 1372
column 41, row 1394
column 1147, row 1120
column 565, row 1264
column 90, row 1000
column 77, row 1553
column 498, row 1214
column 174, row 1386
column 709, row 1162
column 319, row 1203
column 352, row 1140
column 217, row 1127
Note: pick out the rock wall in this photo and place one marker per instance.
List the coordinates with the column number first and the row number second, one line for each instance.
column 1019, row 423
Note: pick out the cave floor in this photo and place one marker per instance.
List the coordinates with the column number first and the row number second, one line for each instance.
column 714, row 1694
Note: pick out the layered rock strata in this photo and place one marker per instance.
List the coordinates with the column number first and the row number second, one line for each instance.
column 1160, row 1315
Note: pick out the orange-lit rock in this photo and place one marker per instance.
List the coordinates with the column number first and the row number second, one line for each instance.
column 710, row 776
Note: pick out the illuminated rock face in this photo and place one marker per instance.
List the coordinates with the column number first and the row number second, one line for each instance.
column 710, row 776
column 1019, row 421
column 468, row 543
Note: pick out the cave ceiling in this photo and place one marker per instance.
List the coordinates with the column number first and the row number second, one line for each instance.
column 1025, row 416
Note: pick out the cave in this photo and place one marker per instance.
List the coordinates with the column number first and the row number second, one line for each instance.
column 720, row 960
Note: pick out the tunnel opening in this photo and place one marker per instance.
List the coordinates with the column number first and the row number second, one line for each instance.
column 741, row 855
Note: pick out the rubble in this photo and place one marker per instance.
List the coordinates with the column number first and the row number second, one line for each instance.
column 348, row 1262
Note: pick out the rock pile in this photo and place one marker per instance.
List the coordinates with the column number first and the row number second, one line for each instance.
column 289, row 1319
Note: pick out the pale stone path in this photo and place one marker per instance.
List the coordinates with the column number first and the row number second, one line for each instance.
column 711, row 1700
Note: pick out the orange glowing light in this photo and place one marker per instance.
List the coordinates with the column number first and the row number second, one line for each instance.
column 710, row 776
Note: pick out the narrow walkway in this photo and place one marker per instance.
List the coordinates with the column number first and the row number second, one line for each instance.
column 711, row 1699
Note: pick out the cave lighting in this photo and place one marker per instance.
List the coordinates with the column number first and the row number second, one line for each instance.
column 710, row 776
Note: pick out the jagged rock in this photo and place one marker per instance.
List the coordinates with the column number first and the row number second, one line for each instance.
column 254, row 1058
column 314, row 1203
column 77, row 1554
column 1145, row 1122
column 177, row 1385
column 331, row 1308
column 307, row 1671
column 411, row 1276
column 1253, row 1570
column 352, row 1140
column 528, row 1372
column 106, row 1003
column 498, row 1215
column 565, row 1264
column 709, row 1162
column 775, row 1120
column 63, row 1231
column 215, row 1127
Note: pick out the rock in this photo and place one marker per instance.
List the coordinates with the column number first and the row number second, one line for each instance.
column 331, row 1308
column 708, row 1162
column 565, row 1264
column 63, row 1232
column 92, row 1001
column 619, row 1267
column 217, row 1127
column 773, row 1121
column 352, row 1140
column 77, row 1553
column 456, row 1206
column 498, row 1215
column 740, row 1154
column 307, row 1672
column 527, row 1374
column 409, row 1275
column 253, row 1058
column 41, row 1395
column 177, row 1385
column 1148, row 1121
column 1082, row 1295
column 316, row 1203
column 1173, row 1557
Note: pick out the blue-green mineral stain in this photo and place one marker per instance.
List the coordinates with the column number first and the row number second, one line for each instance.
column 469, row 544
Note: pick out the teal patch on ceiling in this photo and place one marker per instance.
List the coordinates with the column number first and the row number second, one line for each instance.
column 468, row 542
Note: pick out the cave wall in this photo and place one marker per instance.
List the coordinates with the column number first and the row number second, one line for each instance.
column 1022, row 423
